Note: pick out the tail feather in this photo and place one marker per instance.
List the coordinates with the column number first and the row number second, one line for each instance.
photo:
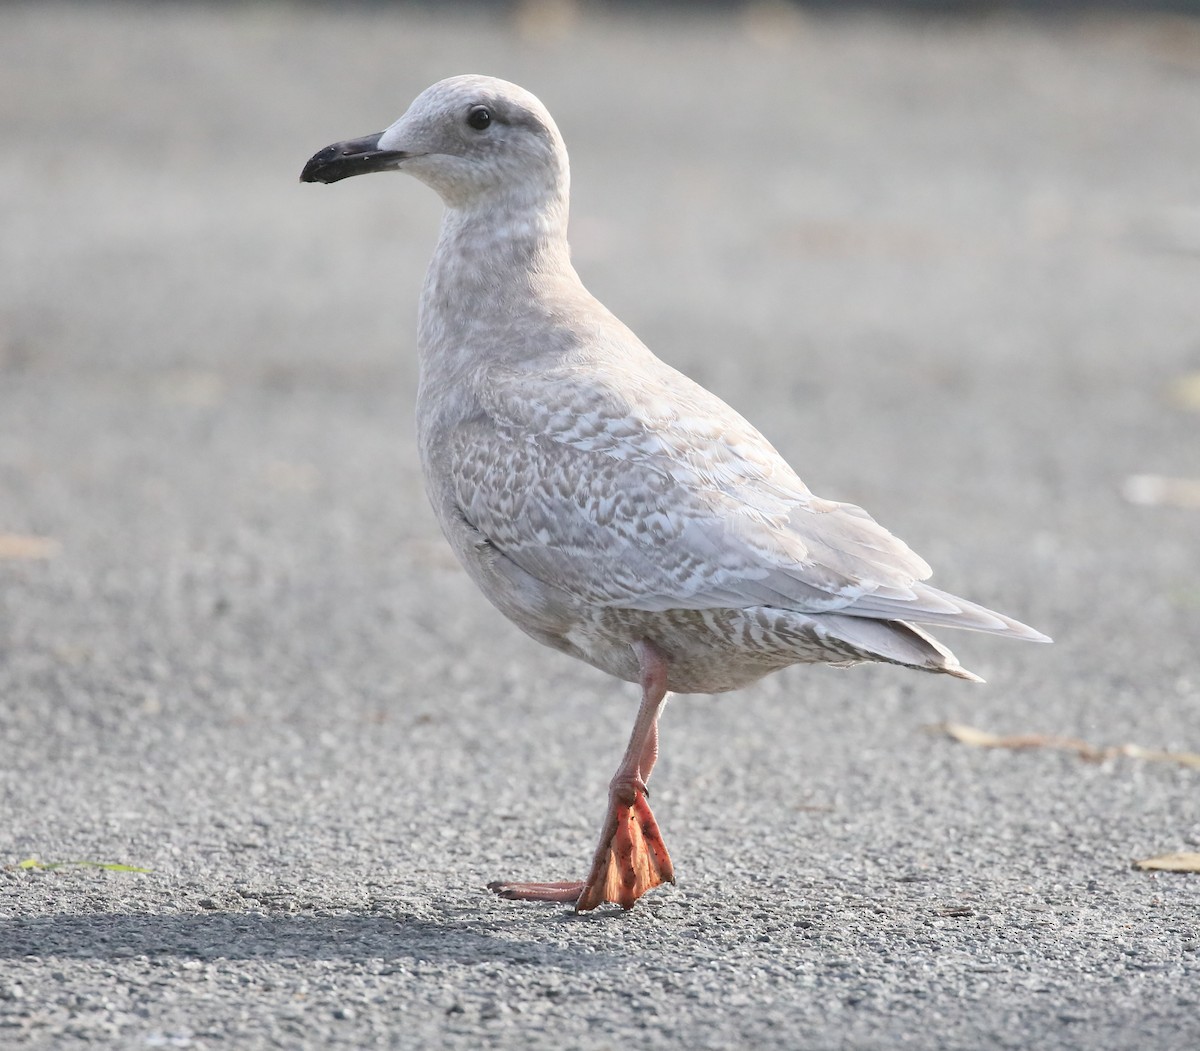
column 895, row 642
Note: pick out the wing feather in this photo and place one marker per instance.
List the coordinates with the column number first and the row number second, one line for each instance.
column 621, row 497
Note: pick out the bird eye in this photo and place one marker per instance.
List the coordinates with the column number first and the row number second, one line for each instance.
column 479, row 117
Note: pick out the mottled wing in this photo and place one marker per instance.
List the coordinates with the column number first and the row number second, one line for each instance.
column 652, row 494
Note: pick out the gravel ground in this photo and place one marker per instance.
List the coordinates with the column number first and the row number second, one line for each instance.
column 950, row 268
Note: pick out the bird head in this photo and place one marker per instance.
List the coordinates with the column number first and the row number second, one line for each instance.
column 471, row 138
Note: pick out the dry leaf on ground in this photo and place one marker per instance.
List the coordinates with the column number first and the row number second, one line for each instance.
column 976, row 738
column 1184, row 391
column 1181, row 861
column 17, row 546
column 1155, row 490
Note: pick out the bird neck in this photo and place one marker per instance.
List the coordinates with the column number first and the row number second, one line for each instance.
column 492, row 243
column 494, row 264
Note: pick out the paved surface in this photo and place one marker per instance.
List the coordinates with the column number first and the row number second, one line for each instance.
column 950, row 269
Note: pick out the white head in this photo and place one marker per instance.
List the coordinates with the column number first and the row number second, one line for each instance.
column 476, row 140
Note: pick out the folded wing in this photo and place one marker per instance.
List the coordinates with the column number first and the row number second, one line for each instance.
column 653, row 494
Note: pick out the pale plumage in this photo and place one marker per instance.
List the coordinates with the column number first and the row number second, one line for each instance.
column 608, row 505
column 633, row 489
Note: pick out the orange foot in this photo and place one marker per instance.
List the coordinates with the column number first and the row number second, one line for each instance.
column 630, row 860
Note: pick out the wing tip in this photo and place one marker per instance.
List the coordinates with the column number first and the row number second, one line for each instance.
column 959, row 672
column 1024, row 632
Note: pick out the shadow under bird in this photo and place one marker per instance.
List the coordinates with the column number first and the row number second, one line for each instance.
column 606, row 504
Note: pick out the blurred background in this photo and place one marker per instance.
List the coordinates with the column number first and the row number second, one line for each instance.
column 946, row 256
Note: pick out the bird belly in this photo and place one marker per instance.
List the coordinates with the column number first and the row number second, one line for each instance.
column 711, row 650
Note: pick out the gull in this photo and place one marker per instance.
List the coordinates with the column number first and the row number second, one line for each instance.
column 606, row 504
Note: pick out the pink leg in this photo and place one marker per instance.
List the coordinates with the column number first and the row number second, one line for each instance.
column 631, row 857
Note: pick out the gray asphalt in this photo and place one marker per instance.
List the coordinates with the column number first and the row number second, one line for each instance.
column 949, row 268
